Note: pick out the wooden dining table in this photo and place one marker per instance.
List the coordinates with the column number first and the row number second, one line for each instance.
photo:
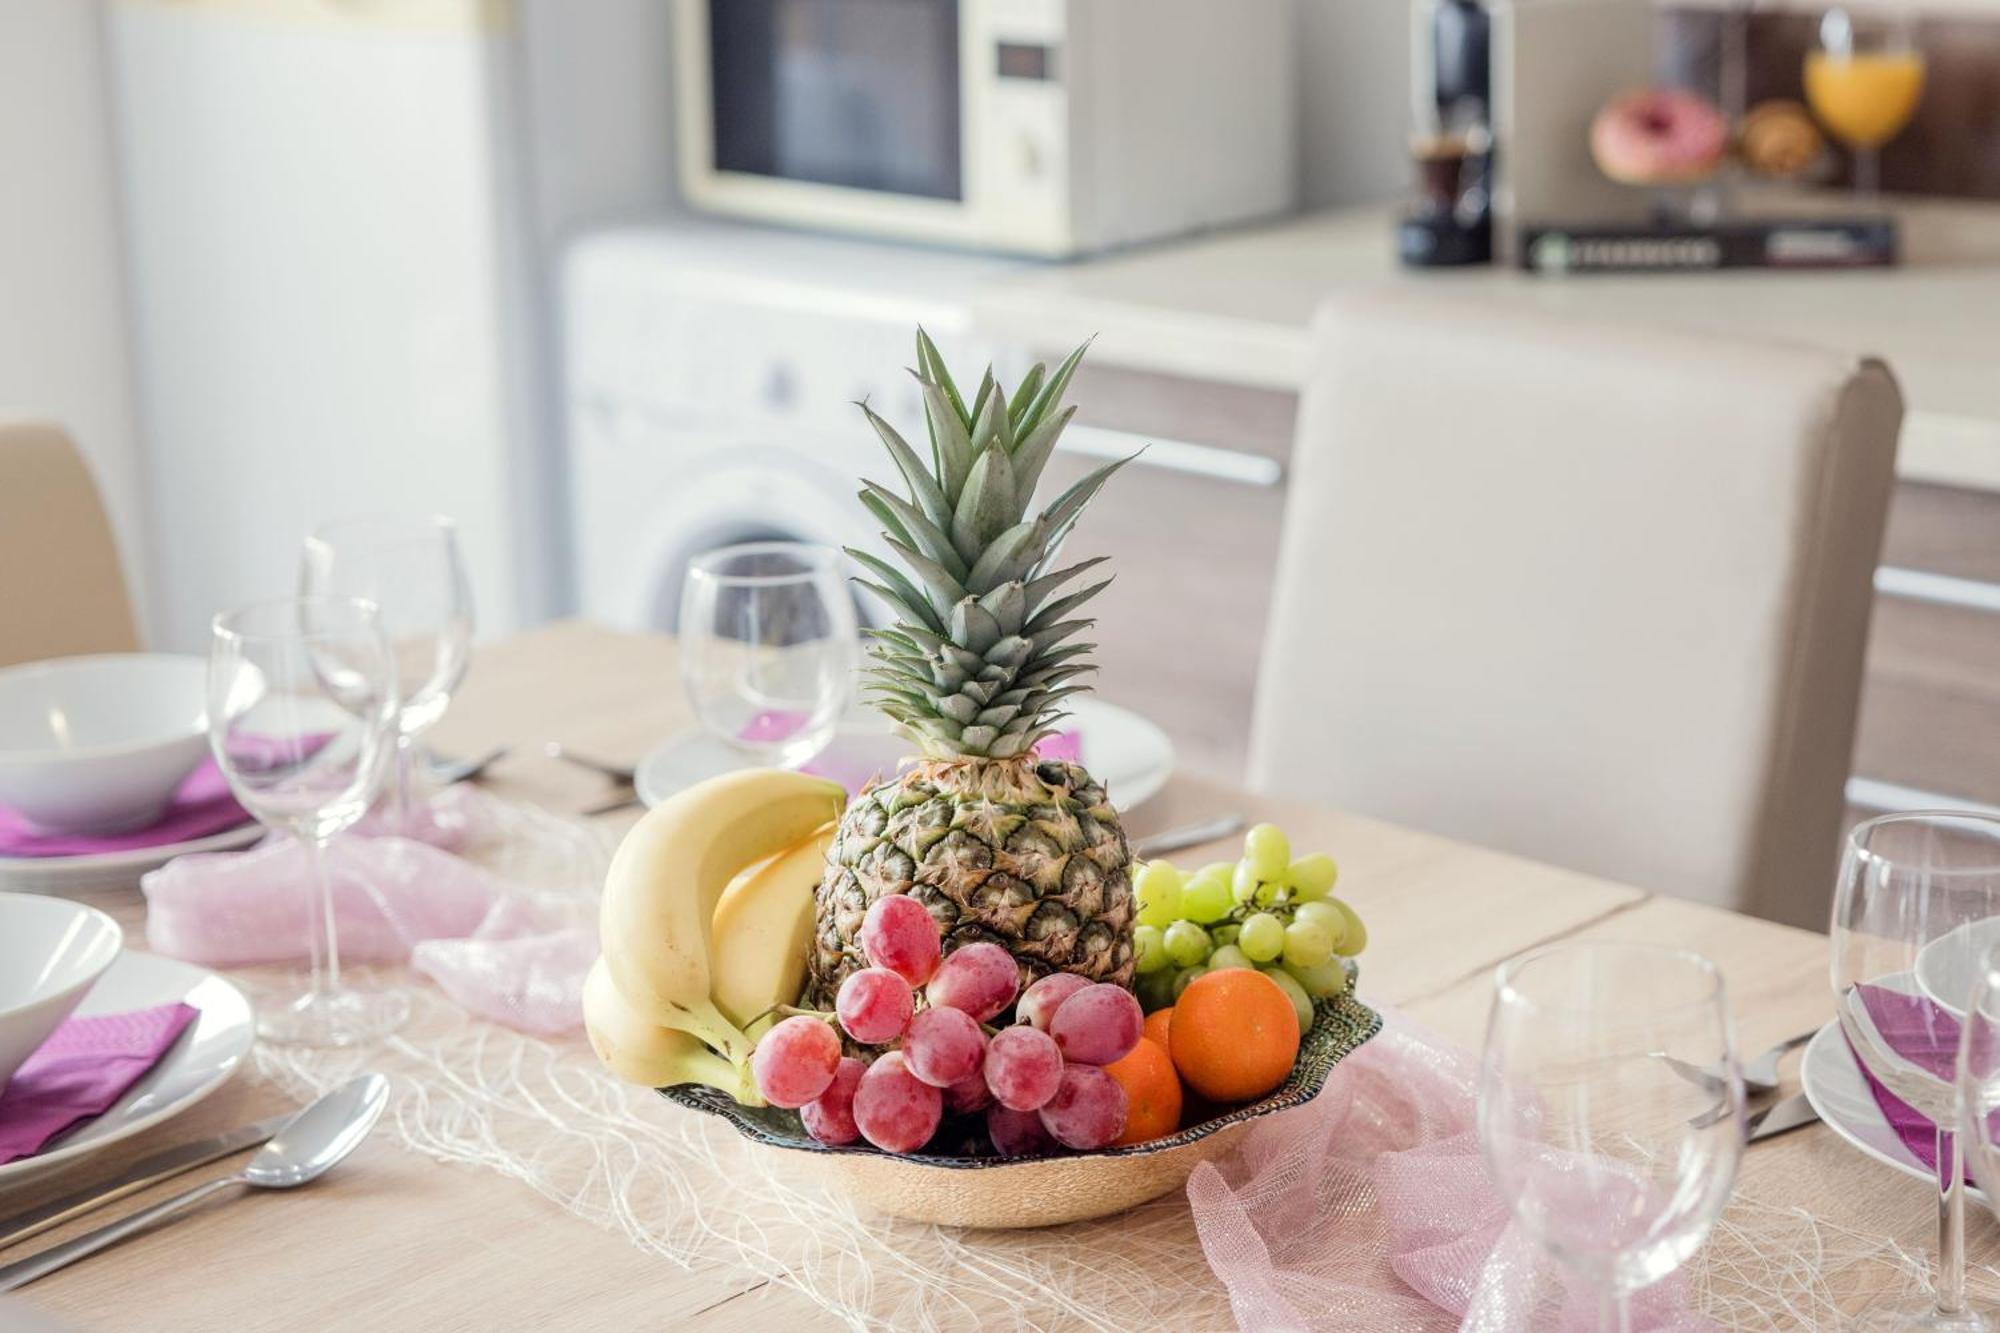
column 394, row 1240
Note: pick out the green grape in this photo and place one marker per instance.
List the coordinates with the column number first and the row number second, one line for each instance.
column 1224, row 934
column 1271, row 893
column 1184, row 977
column 1326, row 914
column 1243, row 882
column 1186, row 943
column 1313, row 876
column 1158, row 885
column 1227, row 956
column 1267, row 851
column 1262, row 937
column 1307, row 944
column 1356, row 937
column 1205, row 898
column 1155, row 989
column 1323, row 982
column 1302, row 1005
column 1222, row 868
column 1150, row 945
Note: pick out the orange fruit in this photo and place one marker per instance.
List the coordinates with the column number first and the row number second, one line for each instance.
column 1235, row 1035
column 1152, row 1093
column 1156, row 1027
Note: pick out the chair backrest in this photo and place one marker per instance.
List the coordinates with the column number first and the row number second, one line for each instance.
column 1588, row 592
column 62, row 590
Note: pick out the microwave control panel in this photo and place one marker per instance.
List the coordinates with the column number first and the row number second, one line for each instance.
column 1018, row 107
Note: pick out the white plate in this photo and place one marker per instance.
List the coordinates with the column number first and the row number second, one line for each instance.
column 1948, row 967
column 206, row 1054
column 1129, row 755
column 100, row 870
column 1834, row 1085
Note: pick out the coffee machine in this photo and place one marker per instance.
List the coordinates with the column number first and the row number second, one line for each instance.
column 1451, row 143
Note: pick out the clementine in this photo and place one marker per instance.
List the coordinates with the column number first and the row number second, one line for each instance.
column 1235, row 1035
column 1156, row 1027
column 1152, row 1093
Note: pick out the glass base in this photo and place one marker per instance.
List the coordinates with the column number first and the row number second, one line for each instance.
column 335, row 1018
column 691, row 757
column 1925, row 1317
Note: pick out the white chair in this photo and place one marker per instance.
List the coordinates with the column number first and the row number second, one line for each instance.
column 62, row 590
column 1591, row 593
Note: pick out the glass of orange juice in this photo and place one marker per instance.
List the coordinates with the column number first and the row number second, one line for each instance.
column 1864, row 80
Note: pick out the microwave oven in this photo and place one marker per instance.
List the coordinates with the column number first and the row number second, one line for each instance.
column 1038, row 127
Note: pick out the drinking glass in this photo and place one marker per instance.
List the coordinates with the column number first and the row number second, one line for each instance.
column 768, row 651
column 301, row 699
column 411, row 568
column 1916, row 897
column 1864, row 80
column 1979, row 1077
column 1611, row 1108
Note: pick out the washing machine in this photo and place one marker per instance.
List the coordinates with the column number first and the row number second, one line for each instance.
column 713, row 371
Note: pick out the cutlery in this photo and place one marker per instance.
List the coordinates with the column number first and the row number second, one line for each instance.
column 622, row 773
column 162, row 1165
column 611, row 806
column 1189, row 835
column 1760, row 1075
column 445, row 771
column 305, row 1148
column 1781, row 1117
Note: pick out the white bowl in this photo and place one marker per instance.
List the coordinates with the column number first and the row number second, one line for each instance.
column 98, row 744
column 52, row 951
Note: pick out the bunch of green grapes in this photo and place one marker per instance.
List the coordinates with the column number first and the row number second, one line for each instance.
column 1265, row 911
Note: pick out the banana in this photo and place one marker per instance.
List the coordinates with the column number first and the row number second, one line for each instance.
column 660, row 894
column 763, row 931
column 650, row 1055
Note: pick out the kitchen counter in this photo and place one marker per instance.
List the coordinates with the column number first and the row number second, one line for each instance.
column 1236, row 308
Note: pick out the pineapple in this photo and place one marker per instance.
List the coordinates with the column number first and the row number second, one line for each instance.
column 996, row 843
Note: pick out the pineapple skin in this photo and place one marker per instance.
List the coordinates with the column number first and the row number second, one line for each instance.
column 1026, row 853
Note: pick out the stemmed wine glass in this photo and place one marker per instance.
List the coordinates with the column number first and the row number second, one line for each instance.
column 1917, row 894
column 1864, row 80
column 301, row 698
column 768, row 651
column 1611, row 1108
column 412, row 569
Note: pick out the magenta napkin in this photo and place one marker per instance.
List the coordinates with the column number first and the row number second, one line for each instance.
column 84, row 1067
column 1927, row 1036
column 776, row 724
column 202, row 806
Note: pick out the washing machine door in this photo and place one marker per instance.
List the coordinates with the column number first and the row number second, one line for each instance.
column 746, row 494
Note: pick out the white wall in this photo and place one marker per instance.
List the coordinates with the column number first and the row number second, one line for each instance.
column 1354, row 113
column 62, row 305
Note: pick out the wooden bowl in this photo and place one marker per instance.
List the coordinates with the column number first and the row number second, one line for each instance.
column 972, row 1191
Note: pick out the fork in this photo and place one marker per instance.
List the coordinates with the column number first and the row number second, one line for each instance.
column 1760, row 1075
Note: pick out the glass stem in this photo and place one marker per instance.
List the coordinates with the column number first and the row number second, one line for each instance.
column 1951, row 1225
column 1867, row 173
column 406, row 745
column 1614, row 1315
column 323, row 942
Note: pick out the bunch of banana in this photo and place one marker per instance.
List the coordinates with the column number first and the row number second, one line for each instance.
column 706, row 924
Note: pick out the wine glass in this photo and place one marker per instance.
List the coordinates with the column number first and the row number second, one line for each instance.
column 1979, row 1074
column 1863, row 81
column 1611, row 1108
column 768, row 650
column 301, row 699
column 411, row 568
column 1917, row 892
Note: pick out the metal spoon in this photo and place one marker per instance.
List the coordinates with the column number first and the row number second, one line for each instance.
column 623, row 773
column 309, row 1145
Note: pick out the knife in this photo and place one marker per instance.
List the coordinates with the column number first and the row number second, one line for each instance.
column 163, row 1165
column 1789, row 1114
column 1193, row 835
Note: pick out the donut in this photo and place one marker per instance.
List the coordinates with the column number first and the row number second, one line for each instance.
column 1661, row 136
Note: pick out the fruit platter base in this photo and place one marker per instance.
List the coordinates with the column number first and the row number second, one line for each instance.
column 1011, row 1192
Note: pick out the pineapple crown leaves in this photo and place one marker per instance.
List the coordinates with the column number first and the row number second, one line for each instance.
column 979, row 660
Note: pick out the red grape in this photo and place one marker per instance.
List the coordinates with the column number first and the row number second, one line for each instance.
column 1018, row 1133
column 874, row 1005
column 897, row 933
column 1023, row 1067
column 1098, row 1024
column 830, row 1117
column 978, row 978
column 1088, row 1110
column 1041, row 1000
column 893, row 1109
column 943, row 1046
column 795, row 1061
column 968, row 1095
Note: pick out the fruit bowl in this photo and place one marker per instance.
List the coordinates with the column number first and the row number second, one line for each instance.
column 972, row 1191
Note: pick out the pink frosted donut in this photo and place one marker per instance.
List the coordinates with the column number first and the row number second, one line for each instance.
column 1662, row 136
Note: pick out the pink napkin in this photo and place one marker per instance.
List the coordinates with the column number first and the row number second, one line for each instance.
column 81, row 1071
column 1927, row 1036
column 855, row 772
column 202, row 806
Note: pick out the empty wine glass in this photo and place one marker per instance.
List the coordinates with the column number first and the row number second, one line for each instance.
column 301, row 698
column 1979, row 1077
column 1912, row 914
column 768, row 651
column 1611, row 1108
column 412, row 569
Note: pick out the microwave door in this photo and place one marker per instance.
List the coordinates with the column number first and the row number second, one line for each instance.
column 862, row 94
